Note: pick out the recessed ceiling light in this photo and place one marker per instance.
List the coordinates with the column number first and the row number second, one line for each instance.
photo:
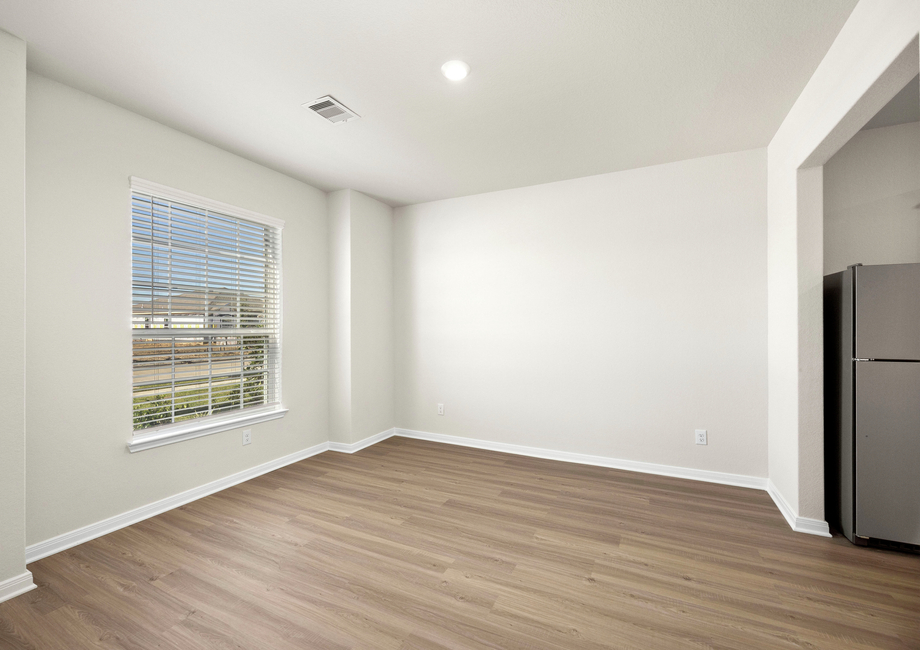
column 455, row 70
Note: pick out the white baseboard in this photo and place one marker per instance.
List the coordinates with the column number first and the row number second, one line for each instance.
column 106, row 526
column 87, row 533
column 739, row 480
column 798, row 524
column 16, row 586
column 347, row 448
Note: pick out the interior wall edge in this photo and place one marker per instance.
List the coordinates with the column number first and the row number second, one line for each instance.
column 16, row 586
column 13, row 125
column 806, row 525
column 350, row 448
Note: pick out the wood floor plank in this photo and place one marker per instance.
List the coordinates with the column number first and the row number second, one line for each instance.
column 413, row 545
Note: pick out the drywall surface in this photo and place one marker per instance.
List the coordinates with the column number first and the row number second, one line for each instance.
column 873, row 57
column 872, row 199
column 339, row 215
column 80, row 153
column 371, row 316
column 12, row 284
column 361, row 316
column 610, row 315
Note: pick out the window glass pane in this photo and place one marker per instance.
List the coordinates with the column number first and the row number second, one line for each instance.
column 205, row 312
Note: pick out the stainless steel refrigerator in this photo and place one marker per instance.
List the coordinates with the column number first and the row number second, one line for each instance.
column 872, row 402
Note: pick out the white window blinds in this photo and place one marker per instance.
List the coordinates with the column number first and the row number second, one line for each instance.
column 206, row 312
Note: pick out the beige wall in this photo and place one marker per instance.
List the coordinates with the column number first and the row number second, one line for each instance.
column 339, row 218
column 361, row 316
column 81, row 151
column 371, row 316
column 872, row 199
column 609, row 315
column 12, row 270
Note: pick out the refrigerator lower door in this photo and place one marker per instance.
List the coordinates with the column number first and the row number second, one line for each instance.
column 888, row 450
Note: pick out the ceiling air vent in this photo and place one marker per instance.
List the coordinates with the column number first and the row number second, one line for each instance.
column 331, row 109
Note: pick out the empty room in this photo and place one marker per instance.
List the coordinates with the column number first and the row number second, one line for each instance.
column 429, row 324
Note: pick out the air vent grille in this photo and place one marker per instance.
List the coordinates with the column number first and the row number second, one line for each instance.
column 331, row 109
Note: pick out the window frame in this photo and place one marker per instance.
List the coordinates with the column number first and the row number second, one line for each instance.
column 165, row 434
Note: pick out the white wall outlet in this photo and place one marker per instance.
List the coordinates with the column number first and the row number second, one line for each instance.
column 701, row 437
column 440, row 409
column 247, row 436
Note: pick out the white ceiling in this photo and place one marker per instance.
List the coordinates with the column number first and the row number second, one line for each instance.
column 558, row 89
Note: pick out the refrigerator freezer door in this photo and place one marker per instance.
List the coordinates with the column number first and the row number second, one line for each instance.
column 888, row 311
column 888, row 450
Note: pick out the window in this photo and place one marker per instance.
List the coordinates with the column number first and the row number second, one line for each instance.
column 206, row 315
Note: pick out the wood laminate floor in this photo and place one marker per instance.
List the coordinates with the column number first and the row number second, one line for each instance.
column 412, row 545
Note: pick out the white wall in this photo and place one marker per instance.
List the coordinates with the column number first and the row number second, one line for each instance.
column 872, row 199
column 80, row 153
column 339, row 216
column 372, row 360
column 12, row 283
column 609, row 315
column 873, row 57
column 361, row 316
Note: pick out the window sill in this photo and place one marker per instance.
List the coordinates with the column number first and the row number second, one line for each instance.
column 167, row 435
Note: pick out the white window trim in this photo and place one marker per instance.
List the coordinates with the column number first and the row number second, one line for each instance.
column 172, row 194
column 171, row 433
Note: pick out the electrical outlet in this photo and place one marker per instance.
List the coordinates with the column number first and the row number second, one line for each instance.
column 247, row 436
column 440, row 409
column 701, row 437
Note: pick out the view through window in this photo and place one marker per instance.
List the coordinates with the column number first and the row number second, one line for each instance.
column 205, row 311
